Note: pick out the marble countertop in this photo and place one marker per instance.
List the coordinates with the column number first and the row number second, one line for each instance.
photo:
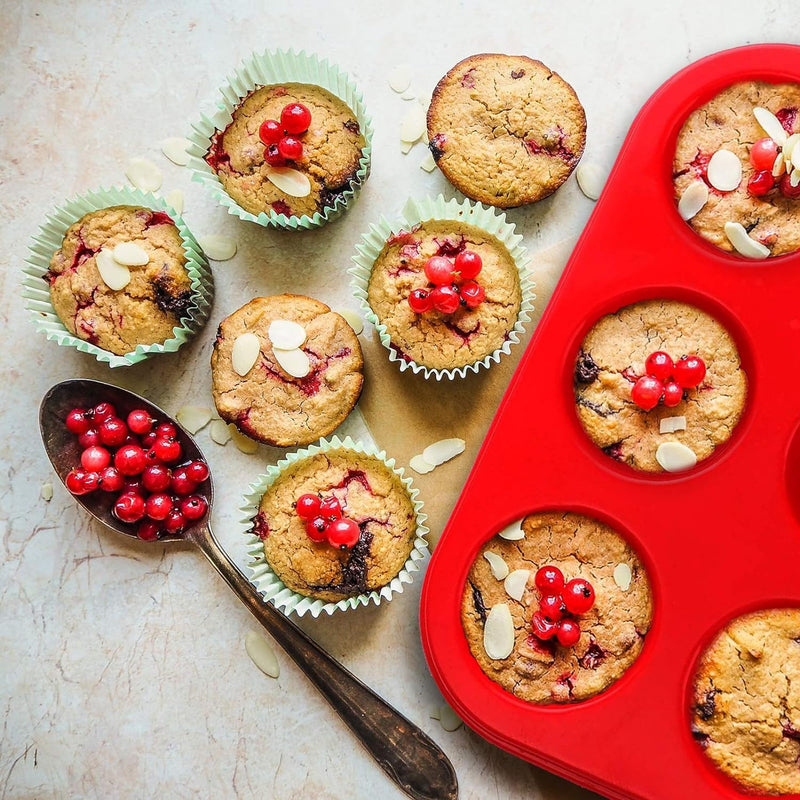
column 124, row 670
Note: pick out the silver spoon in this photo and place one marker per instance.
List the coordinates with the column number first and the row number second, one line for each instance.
column 406, row 754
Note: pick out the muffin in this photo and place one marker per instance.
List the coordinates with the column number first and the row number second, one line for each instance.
column 505, row 130
column 144, row 310
column 535, row 666
column 615, row 360
column 767, row 207
column 273, row 401
column 368, row 494
column 480, row 322
column 250, row 166
column 746, row 701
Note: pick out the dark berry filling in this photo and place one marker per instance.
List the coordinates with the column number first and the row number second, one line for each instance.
column 217, row 157
column 700, row 737
column 553, row 146
column 629, row 375
column 354, row 570
column 566, row 680
column 451, row 245
column 545, row 646
column 594, row 407
column 477, row 602
column 436, row 146
column 260, row 525
column 81, row 254
column 593, row 657
column 586, row 370
column 787, row 117
column 169, row 302
column 404, row 356
column 706, row 709
column 614, row 451
column 279, row 207
column 312, row 382
column 468, row 79
column 357, row 475
column 789, row 730
column 352, row 126
column 517, row 73
column 410, row 250
column 158, row 218
column 403, row 237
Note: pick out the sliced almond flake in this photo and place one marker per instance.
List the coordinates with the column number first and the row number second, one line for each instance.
column 516, row 582
column 743, row 243
column 414, row 124
column 218, row 431
column 795, row 157
column 771, row 125
column 623, row 576
column 672, row 424
column 245, row 352
column 448, row 719
column 217, row 246
column 47, row 492
column 115, row 275
column 498, row 632
column 400, row 78
column 675, row 457
column 421, row 466
column 175, row 201
column 175, row 149
column 779, row 167
column 286, row 334
column 409, row 95
column 591, row 179
column 794, row 178
column 724, row 170
column 144, row 174
column 791, row 143
column 262, row 654
column 497, row 564
column 443, row 450
column 243, row 443
column 427, row 163
column 130, row 254
column 352, row 319
column 295, row 362
column 694, row 197
column 289, row 180
column 512, row 532
column 435, row 713
column 194, row 418
column 405, row 147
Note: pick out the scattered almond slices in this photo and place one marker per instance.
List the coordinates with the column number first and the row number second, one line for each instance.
column 672, row 424
column 623, row 576
column 262, row 654
column 421, row 466
column 448, row 719
column 219, row 432
column 694, row 197
column 245, row 352
column 294, row 362
column 675, row 457
column 194, row 418
column 286, row 334
column 115, row 275
column 405, row 147
column 771, row 125
column 512, row 532
column 289, row 180
column 175, row 149
column 352, row 319
column 443, row 450
column 428, row 163
column 243, row 443
column 409, row 95
column 400, row 78
column 743, row 243
column 516, row 582
column 175, row 201
column 724, row 170
column 779, row 167
column 144, row 174
column 497, row 565
column 217, row 246
column 591, row 179
column 789, row 148
column 794, row 178
column 46, row 492
column 498, row 632
column 414, row 124
column 130, row 254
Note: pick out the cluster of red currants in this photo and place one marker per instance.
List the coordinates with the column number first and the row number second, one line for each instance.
column 557, row 601
column 453, row 284
column 762, row 156
column 325, row 522
column 281, row 137
column 666, row 380
column 130, row 458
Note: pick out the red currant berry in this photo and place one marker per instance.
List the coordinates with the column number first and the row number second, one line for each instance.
column 552, row 606
column 167, row 450
column 578, row 596
column 182, row 484
column 175, row 521
column 273, row 156
column 568, row 633
column 549, row 580
column 763, row 154
column 89, row 438
column 472, row 293
column 468, row 264
column 290, row 148
column 156, row 478
column 158, row 506
column 113, row 431
column 91, row 481
column 543, row 627
column 689, row 371
column 439, row 270
column 197, row 471
column 673, row 394
column 270, row 131
column 74, row 481
column 140, row 422
column 133, row 485
column 166, row 430
column 94, row 459
column 149, row 439
column 317, row 529
column 330, row 509
column 787, row 190
column 646, row 392
column 420, row 301
column 760, row 183
column 295, row 118
column 308, row 506
column 148, row 530
column 446, row 299
column 130, row 460
column 659, row 365
column 111, row 480
column 129, row 507
column 343, row 533
column 77, row 421
column 103, row 411
column 194, row 507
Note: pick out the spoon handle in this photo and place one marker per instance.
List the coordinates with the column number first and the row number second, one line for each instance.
column 406, row 754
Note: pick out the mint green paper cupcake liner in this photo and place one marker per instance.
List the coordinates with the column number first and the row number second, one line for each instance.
column 429, row 208
column 264, row 69
column 36, row 291
column 272, row 587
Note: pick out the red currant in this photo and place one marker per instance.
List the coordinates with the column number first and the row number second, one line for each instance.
column 130, row 460
column 273, row 156
column 167, row 450
column 689, row 371
column 89, row 438
column 568, row 633
column 291, row 148
column 308, row 506
column 149, row 439
column 446, row 299
column 103, row 411
column 94, row 459
column 439, row 270
column 673, row 394
column 175, row 521
column 343, row 533
column 113, row 431
column 129, row 507
column 760, row 183
column 549, row 580
column 166, row 430
column 194, row 507
column 330, row 509
column 158, row 506
column 77, row 422
column 74, row 481
column 543, row 627
column 140, row 422
column 763, row 154
column 91, row 481
column 646, row 392
column 197, row 471
column 468, row 264
column 181, row 483
column 295, row 118
column 472, row 293
column 787, row 190
column 111, row 480
column 148, row 530
column 552, row 606
column 133, row 485
column 270, row 131
column 420, row 301
column 156, row 478
column 578, row 596
column 317, row 529
column 659, row 365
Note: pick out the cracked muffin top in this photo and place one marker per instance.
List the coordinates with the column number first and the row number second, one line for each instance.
column 612, row 631
column 369, row 493
column 435, row 339
column 148, row 307
column 769, row 212
column 268, row 403
column 746, row 712
column 505, row 130
column 331, row 150
column 612, row 358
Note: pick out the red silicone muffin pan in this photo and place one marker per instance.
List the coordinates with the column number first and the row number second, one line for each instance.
column 717, row 541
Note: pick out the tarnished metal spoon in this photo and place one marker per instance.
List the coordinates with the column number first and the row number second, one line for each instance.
column 406, row 754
